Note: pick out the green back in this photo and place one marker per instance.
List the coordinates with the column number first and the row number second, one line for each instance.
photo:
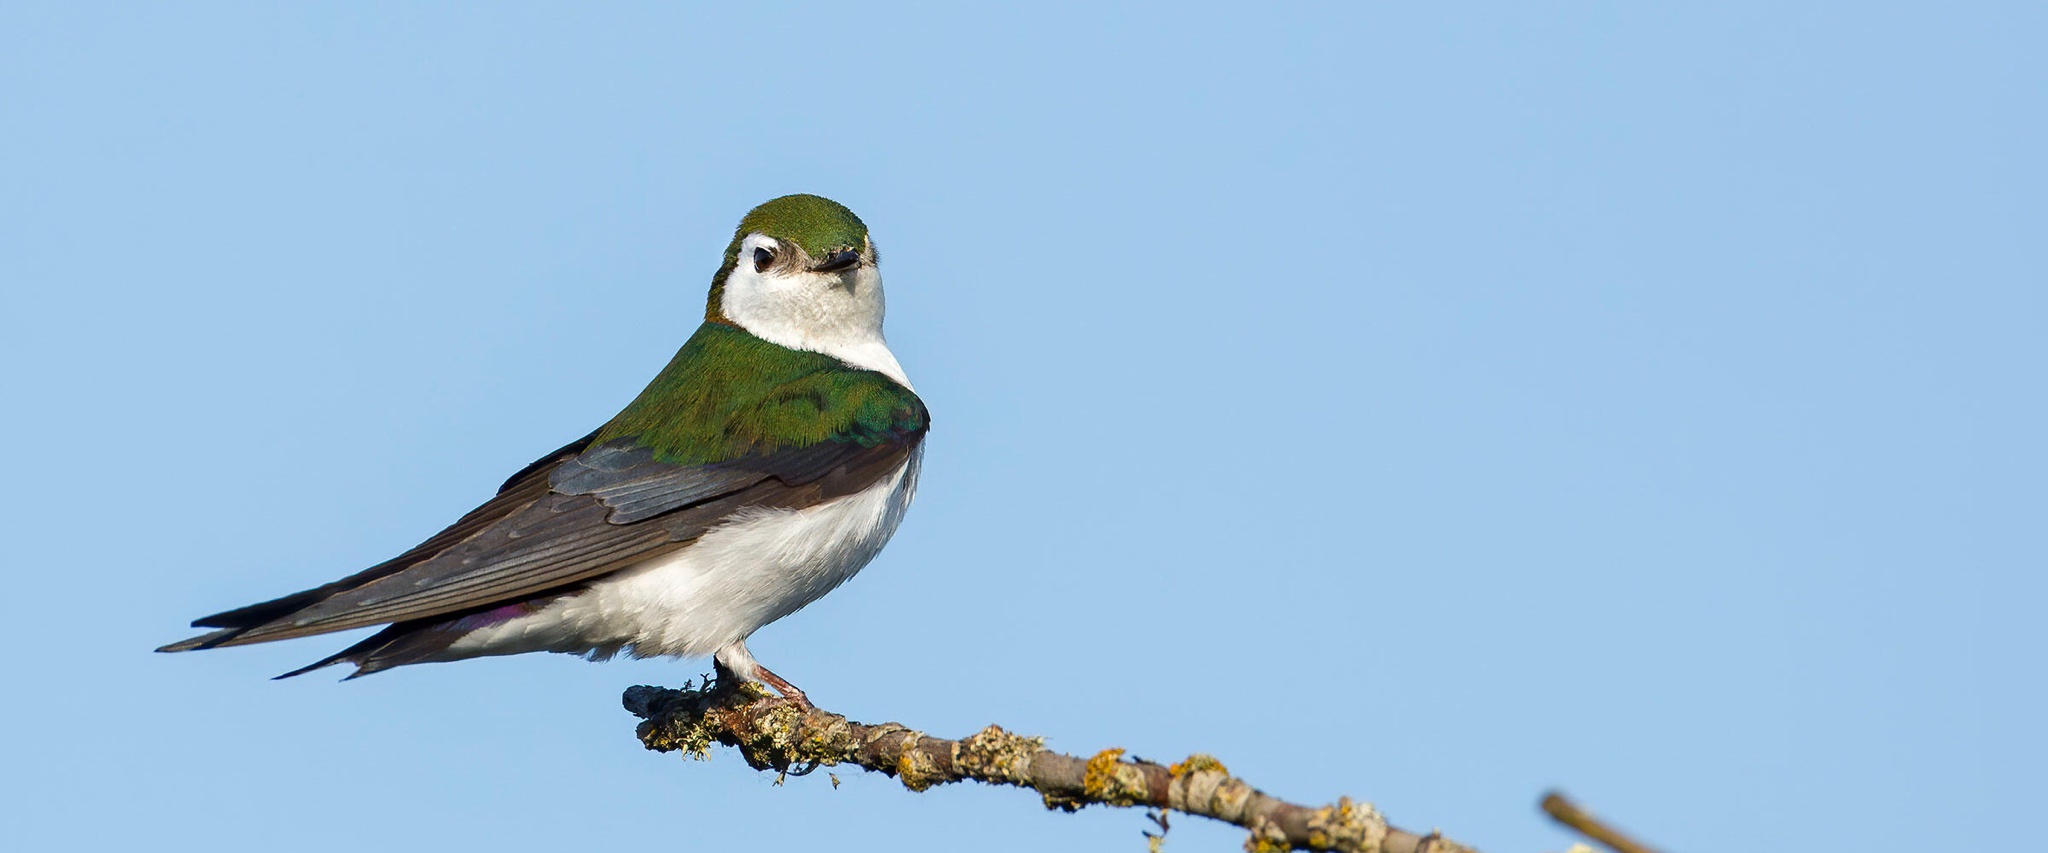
column 728, row 394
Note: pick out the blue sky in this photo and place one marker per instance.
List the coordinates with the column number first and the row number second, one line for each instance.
column 1431, row 405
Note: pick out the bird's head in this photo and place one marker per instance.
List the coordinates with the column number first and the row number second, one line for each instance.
column 800, row 269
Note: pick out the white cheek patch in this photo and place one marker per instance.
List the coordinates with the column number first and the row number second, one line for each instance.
column 811, row 311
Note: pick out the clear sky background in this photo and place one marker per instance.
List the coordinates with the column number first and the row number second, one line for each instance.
column 1429, row 404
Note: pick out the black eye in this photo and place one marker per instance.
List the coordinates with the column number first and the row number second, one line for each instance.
column 763, row 259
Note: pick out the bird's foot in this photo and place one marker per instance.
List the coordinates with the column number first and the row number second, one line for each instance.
column 796, row 697
column 734, row 666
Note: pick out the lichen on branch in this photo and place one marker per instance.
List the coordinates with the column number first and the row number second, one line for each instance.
column 772, row 733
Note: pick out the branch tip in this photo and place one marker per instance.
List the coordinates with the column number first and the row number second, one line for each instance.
column 1564, row 811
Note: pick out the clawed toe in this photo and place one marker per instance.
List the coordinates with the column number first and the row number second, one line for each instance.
column 796, row 697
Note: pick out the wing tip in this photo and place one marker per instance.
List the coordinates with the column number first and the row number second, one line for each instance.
column 203, row 641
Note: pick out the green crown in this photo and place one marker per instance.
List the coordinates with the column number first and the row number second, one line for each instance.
column 816, row 224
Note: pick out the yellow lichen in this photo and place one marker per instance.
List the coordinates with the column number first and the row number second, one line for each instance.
column 1197, row 763
column 1095, row 779
column 1108, row 780
column 916, row 768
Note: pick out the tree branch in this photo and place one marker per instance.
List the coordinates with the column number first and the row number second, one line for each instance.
column 772, row 733
column 1566, row 812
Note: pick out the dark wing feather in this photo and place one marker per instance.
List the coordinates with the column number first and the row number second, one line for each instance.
column 539, row 468
column 610, row 507
column 629, row 479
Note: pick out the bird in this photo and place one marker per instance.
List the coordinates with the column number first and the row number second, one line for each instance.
column 766, row 464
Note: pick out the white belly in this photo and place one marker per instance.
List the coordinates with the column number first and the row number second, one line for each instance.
column 755, row 568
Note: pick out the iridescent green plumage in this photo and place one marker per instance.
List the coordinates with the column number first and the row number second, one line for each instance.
column 728, row 394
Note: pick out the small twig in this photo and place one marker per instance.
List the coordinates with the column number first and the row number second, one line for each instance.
column 772, row 733
column 1566, row 812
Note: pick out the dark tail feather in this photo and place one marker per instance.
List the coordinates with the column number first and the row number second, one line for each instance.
column 417, row 641
column 396, row 645
column 215, row 638
column 404, row 643
column 329, row 660
column 365, row 655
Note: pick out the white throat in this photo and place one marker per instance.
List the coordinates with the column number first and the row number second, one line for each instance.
column 839, row 315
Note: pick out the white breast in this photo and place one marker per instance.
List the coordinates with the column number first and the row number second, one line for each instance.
column 757, row 567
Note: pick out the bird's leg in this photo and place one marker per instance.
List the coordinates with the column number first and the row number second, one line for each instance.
column 723, row 679
column 736, row 662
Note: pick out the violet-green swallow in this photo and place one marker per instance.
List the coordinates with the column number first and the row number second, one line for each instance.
column 766, row 464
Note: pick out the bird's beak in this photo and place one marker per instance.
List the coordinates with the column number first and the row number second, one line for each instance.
column 844, row 259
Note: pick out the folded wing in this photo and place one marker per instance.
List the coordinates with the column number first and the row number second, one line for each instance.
column 576, row 515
